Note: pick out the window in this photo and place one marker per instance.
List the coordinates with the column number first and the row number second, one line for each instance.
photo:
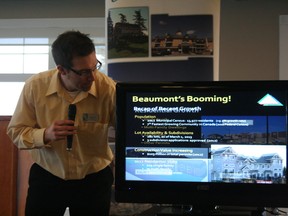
column 18, row 57
column 9, row 101
column 23, row 55
column 25, row 50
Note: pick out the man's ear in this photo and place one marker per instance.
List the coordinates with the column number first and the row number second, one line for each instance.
column 62, row 70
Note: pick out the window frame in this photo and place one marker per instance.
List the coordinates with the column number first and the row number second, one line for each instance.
column 49, row 28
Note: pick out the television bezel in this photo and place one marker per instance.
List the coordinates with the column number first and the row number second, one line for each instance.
column 191, row 193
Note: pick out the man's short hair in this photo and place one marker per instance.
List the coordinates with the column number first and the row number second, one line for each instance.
column 71, row 44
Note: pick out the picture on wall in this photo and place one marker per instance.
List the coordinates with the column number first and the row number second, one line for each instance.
column 127, row 32
column 184, row 35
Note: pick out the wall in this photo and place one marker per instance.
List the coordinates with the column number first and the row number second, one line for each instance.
column 249, row 39
column 283, row 67
column 14, row 9
column 249, row 30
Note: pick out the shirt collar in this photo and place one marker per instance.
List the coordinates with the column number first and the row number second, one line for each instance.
column 93, row 89
column 55, row 83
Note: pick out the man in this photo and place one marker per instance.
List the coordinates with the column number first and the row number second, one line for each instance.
column 79, row 178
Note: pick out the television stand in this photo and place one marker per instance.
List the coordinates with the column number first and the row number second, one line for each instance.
column 203, row 211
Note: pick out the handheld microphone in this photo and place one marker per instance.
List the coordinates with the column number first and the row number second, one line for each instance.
column 71, row 116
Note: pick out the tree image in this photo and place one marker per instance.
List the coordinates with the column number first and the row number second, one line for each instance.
column 123, row 18
column 127, row 35
column 139, row 20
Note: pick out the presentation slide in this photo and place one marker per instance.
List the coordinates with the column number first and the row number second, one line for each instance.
column 194, row 120
column 205, row 136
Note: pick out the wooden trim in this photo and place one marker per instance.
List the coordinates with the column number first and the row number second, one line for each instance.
column 8, row 171
column 5, row 118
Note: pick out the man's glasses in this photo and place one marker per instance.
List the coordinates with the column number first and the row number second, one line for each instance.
column 86, row 72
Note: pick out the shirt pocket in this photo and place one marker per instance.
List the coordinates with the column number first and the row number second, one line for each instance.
column 92, row 137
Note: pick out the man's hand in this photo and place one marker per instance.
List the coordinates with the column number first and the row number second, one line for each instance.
column 59, row 130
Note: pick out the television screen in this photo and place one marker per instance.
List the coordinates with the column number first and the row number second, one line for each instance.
column 202, row 143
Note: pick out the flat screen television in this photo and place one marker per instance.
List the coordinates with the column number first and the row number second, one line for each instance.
column 205, row 144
